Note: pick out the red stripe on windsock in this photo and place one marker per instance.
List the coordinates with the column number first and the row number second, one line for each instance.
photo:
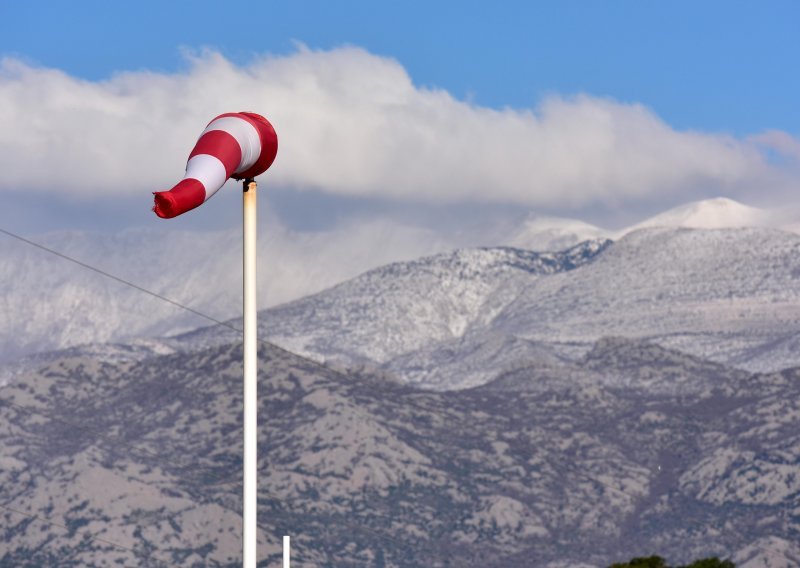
column 222, row 146
column 269, row 143
column 185, row 196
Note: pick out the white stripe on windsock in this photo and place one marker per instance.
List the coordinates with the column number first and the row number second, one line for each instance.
column 208, row 170
column 244, row 133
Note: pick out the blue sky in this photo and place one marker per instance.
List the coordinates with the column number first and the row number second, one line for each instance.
column 715, row 65
column 722, row 69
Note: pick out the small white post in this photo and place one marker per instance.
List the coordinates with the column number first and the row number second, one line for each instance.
column 287, row 551
column 250, row 493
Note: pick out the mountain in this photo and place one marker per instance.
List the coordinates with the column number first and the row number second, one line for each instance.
column 48, row 303
column 401, row 307
column 730, row 295
column 458, row 320
column 138, row 463
column 725, row 295
column 128, row 352
column 554, row 233
column 470, row 360
column 718, row 213
column 481, row 407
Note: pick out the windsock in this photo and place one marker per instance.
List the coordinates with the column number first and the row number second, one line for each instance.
column 238, row 145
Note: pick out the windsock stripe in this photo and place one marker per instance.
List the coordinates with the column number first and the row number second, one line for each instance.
column 222, row 145
column 268, row 144
column 209, row 171
column 244, row 132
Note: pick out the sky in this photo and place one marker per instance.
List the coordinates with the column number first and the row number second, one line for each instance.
column 452, row 116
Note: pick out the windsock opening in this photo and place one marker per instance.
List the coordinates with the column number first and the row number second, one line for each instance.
column 186, row 195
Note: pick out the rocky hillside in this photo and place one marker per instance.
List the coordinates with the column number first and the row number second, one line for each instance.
column 633, row 449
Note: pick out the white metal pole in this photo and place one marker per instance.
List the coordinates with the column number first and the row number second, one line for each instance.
column 287, row 551
column 250, row 493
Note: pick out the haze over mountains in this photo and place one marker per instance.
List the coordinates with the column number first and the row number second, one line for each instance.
column 49, row 303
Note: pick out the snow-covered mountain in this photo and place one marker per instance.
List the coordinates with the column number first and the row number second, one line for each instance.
column 405, row 306
column 732, row 295
column 548, row 419
column 553, row 233
column 458, row 320
column 47, row 303
column 718, row 213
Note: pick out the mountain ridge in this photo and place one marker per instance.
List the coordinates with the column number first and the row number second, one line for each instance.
column 50, row 304
column 357, row 469
column 729, row 295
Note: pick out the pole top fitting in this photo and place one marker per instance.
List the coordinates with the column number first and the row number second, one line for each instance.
column 249, row 184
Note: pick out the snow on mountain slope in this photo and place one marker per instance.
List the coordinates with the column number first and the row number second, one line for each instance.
column 406, row 306
column 712, row 293
column 719, row 213
column 731, row 295
column 768, row 552
column 458, row 320
column 381, row 314
column 47, row 303
column 553, row 233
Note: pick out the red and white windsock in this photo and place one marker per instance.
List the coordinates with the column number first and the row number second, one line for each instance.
column 238, row 145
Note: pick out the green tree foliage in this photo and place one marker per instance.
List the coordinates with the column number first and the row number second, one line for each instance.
column 642, row 562
column 658, row 562
column 712, row 562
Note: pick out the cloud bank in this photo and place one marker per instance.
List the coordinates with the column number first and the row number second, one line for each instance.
column 353, row 123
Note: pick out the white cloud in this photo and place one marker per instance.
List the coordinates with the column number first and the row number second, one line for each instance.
column 781, row 142
column 353, row 123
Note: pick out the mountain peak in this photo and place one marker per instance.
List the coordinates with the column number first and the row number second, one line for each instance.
column 553, row 233
column 716, row 213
